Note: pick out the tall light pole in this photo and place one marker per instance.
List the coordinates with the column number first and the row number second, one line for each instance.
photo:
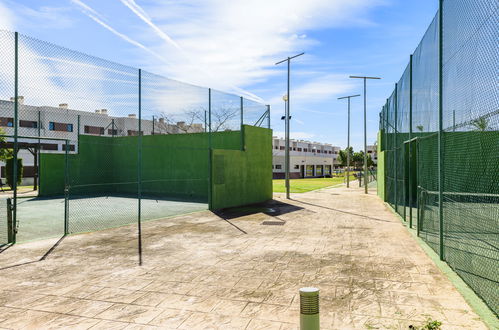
column 286, row 115
column 365, row 128
column 348, row 139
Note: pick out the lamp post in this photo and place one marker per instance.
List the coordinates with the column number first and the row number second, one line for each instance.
column 348, row 137
column 365, row 127
column 286, row 118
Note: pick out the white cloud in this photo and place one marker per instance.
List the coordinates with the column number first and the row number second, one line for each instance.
column 6, row 18
column 238, row 41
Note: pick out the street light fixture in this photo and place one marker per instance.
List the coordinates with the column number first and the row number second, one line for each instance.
column 287, row 117
column 365, row 127
column 348, row 139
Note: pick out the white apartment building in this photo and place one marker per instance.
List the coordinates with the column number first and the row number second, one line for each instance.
column 373, row 151
column 64, row 123
column 307, row 159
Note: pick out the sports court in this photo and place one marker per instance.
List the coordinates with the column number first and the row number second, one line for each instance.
column 40, row 218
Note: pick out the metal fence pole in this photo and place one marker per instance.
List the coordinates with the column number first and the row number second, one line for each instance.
column 139, row 170
column 16, row 109
column 410, row 143
column 242, row 122
column 210, row 174
column 268, row 116
column 66, row 188
column 395, row 149
column 440, row 132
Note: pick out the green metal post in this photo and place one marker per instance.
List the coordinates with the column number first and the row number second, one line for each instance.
column 113, row 129
column 16, row 122
column 410, row 143
column 205, row 128
column 418, row 193
column 66, row 189
column 440, row 132
column 210, row 158
column 152, row 125
column 395, row 149
column 139, row 170
column 242, row 122
column 78, row 132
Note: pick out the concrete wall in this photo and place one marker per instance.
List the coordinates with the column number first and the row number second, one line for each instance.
column 244, row 177
column 175, row 165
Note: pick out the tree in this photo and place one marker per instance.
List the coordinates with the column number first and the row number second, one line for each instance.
column 5, row 153
column 481, row 124
column 420, row 128
column 358, row 159
column 9, row 169
column 342, row 158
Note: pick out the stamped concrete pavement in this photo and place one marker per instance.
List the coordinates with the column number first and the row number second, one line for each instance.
column 208, row 271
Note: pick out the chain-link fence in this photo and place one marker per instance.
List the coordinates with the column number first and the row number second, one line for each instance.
column 440, row 138
column 96, row 144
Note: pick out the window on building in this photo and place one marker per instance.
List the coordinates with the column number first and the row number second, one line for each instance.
column 299, row 149
column 48, row 146
column 294, row 149
column 28, row 123
column 297, row 167
column 281, row 148
column 276, row 147
column 61, row 127
column 278, row 167
column 6, row 122
column 134, row 133
column 71, row 147
column 305, row 149
column 94, row 130
column 112, row 131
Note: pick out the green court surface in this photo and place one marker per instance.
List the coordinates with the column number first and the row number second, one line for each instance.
column 44, row 217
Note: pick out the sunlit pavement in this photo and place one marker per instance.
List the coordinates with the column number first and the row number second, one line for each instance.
column 202, row 271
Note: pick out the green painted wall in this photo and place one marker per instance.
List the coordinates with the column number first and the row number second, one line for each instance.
column 174, row 165
column 244, row 177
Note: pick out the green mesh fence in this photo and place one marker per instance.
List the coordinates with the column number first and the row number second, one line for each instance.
column 104, row 144
column 459, row 219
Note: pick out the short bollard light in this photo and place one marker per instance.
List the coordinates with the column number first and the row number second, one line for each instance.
column 309, row 309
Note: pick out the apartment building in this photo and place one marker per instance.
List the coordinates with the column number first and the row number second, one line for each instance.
column 65, row 123
column 307, row 159
column 373, row 151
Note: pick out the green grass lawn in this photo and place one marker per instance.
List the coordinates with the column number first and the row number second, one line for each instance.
column 304, row 185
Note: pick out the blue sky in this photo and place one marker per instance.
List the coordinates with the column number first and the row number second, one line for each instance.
column 233, row 45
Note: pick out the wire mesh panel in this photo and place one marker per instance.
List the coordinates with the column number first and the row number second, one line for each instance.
column 93, row 103
column 225, row 112
column 255, row 114
column 175, row 150
column 471, row 159
column 464, row 155
column 402, row 135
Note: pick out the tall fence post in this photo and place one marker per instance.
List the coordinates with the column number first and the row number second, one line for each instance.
column 242, row 122
column 66, row 188
column 395, row 150
column 139, row 170
column 210, row 158
column 268, row 116
column 410, row 142
column 16, row 122
column 440, row 132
